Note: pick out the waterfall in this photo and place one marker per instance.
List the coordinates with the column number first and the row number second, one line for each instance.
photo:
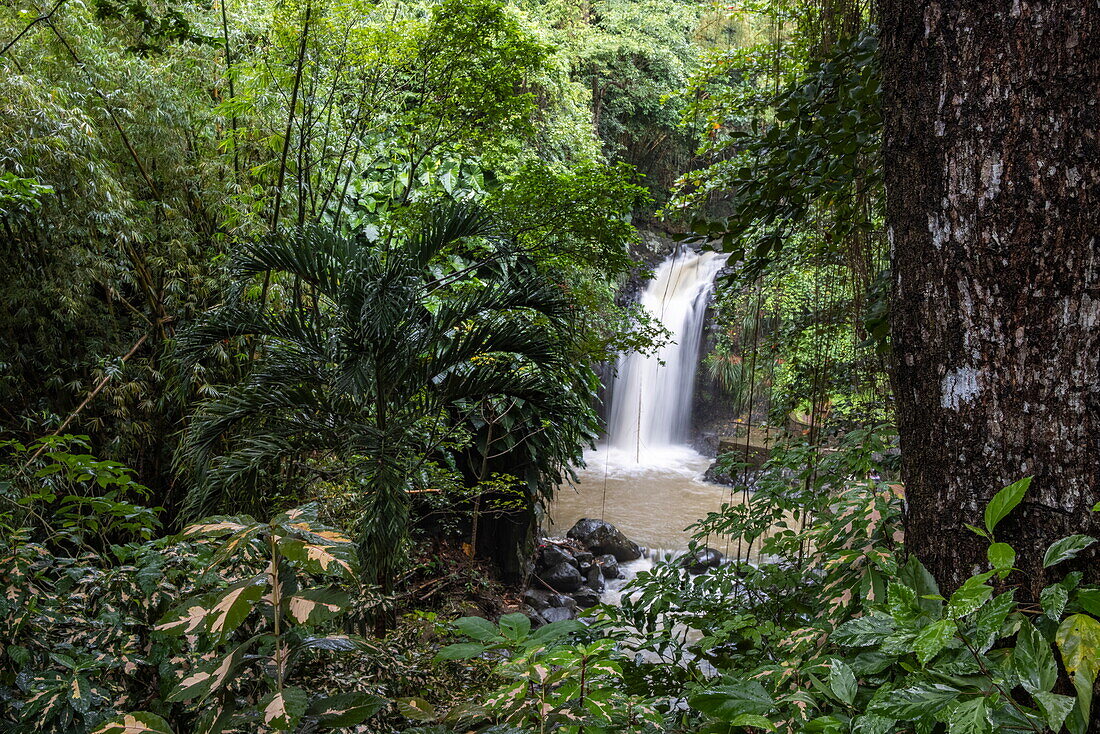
column 651, row 395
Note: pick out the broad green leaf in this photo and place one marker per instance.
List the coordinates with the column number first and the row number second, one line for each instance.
column 990, row 620
column 1034, row 660
column 969, row 597
column 1055, row 707
column 80, row 693
column 220, row 525
column 871, row 724
column 932, row 639
column 902, row 603
column 726, row 703
column 1078, row 640
column 910, row 704
column 202, row 682
column 346, row 709
column 1053, row 600
column 1004, row 502
column 917, row 577
column 183, row 621
column 842, row 681
column 970, row 717
column 313, row 606
column 461, row 651
column 416, row 709
column 755, row 721
column 863, row 631
column 233, row 608
column 139, row 722
column 283, row 710
column 1001, row 556
column 1089, row 599
column 477, row 628
column 1066, row 548
column 515, row 626
column 334, row 559
column 555, row 631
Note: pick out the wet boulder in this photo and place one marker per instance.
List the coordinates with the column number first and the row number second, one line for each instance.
column 586, row 598
column 542, row 599
column 563, row 577
column 557, row 614
column 609, row 566
column 701, row 560
column 594, row 579
column 552, row 555
column 602, row 538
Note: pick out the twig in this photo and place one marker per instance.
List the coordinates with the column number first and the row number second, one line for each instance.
column 91, row 395
column 40, row 19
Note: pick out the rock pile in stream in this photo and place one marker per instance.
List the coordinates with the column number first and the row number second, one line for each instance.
column 571, row 572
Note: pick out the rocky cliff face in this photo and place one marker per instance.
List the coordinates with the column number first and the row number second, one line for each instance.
column 712, row 414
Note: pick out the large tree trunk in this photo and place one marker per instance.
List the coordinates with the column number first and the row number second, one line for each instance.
column 993, row 205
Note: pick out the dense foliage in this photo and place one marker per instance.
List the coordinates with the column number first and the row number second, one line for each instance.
column 302, row 305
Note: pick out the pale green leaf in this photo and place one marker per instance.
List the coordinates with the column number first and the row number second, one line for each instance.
column 1055, row 707
column 1004, row 502
column 842, row 681
column 1034, row 660
column 970, row 717
column 515, row 626
column 1001, row 556
column 932, row 639
column 1066, row 548
column 477, row 628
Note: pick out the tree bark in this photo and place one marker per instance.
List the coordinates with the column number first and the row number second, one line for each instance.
column 992, row 166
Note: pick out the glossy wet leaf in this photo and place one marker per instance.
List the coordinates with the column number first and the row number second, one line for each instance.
column 1033, row 659
column 1004, row 502
column 1066, row 549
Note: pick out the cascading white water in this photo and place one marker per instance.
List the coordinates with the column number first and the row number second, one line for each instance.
column 651, row 395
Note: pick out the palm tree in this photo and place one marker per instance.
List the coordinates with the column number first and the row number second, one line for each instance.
column 373, row 364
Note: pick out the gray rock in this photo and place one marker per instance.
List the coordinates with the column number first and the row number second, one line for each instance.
column 594, row 579
column 586, row 598
column 602, row 538
column 552, row 555
column 557, row 614
column 563, row 577
column 609, row 566
column 538, row 599
column 542, row 599
column 702, row 560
